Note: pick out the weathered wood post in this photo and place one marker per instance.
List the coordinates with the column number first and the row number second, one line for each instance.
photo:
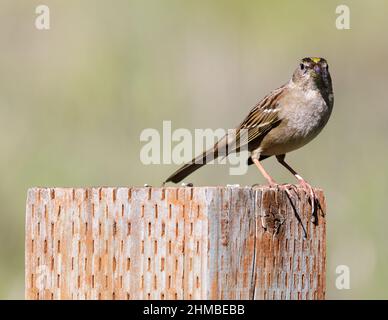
column 173, row 243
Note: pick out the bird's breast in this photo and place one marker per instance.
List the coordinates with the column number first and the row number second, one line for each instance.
column 308, row 117
column 302, row 120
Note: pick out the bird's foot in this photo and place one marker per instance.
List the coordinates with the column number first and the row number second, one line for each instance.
column 290, row 189
column 311, row 197
column 284, row 187
column 271, row 183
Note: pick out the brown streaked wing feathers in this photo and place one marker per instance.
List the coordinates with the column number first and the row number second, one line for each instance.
column 258, row 123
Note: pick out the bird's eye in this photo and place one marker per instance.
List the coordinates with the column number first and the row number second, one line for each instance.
column 301, row 66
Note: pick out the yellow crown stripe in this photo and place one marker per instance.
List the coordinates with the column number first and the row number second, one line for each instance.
column 315, row 60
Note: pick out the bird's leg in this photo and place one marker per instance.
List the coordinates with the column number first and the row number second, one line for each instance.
column 306, row 186
column 270, row 180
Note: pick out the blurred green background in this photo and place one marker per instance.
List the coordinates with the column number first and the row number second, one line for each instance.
column 74, row 99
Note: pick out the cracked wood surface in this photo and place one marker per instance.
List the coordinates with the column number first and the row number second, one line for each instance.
column 173, row 243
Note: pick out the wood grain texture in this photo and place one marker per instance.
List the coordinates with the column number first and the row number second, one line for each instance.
column 173, row 243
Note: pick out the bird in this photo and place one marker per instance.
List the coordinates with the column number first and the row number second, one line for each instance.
column 285, row 120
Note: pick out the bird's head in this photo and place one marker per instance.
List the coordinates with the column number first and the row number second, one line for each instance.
column 313, row 72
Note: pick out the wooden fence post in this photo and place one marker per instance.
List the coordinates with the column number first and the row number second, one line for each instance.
column 173, row 243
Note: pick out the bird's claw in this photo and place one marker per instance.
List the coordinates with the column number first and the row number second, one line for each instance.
column 308, row 189
column 288, row 188
column 311, row 196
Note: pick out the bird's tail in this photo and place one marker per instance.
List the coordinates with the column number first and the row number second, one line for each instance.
column 187, row 169
column 183, row 172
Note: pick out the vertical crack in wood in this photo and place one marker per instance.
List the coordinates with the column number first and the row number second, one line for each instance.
column 254, row 274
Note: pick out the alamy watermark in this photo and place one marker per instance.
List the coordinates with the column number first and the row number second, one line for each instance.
column 179, row 146
column 343, row 19
column 342, row 281
column 42, row 21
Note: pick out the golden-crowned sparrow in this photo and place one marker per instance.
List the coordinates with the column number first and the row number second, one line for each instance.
column 285, row 120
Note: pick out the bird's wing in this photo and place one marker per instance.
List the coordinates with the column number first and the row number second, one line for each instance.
column 261, row 119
